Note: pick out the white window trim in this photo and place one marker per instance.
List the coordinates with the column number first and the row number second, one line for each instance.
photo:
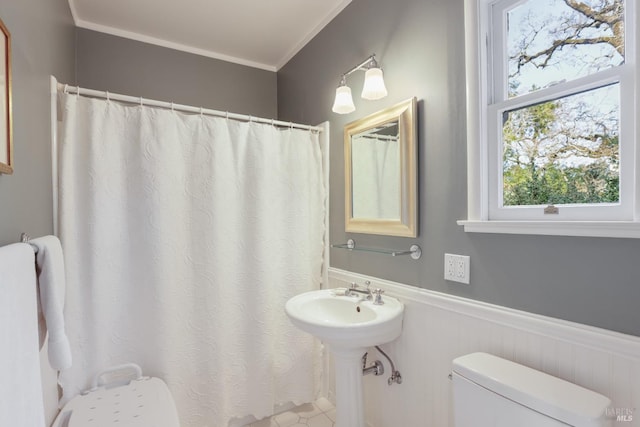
column 476, row 58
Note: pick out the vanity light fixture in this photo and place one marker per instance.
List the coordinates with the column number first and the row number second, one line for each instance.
column 373, row 88
column 343, row 104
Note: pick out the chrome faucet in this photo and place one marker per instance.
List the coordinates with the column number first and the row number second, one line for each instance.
column 354, row 290
column 378, row 293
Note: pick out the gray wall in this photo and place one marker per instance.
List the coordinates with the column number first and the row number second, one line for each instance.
column 120, row 65
column 42, row 36
column 420, row 44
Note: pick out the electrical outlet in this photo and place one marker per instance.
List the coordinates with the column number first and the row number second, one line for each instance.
column 449, row 266
column 456, row 268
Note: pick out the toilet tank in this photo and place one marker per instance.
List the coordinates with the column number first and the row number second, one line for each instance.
column 489, row 391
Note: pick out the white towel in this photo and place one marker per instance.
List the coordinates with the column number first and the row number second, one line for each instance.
column 20, row 381
column 52, row 284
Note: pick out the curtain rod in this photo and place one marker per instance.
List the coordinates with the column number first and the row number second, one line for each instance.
column 180, row 107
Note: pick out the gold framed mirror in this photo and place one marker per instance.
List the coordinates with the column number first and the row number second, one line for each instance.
column 381, row 188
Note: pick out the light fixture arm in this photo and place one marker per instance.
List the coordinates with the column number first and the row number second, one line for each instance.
column 369, row 62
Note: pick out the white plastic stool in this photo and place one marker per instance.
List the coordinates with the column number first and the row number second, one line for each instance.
column 138, row 402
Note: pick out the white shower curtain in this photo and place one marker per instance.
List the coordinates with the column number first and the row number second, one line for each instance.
column 184, row 236
column 376, row 177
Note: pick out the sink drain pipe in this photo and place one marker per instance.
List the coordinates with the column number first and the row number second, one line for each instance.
column 378, row 368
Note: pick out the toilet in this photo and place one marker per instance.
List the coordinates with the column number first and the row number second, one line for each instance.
column 489, row 391
column 131, row 401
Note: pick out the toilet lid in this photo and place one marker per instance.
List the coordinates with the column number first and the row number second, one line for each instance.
column 144, row 402
column 548, row 395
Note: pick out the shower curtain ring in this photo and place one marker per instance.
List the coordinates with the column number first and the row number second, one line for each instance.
column 77, row 90
column 201, row 112
column 108, row 96
column 66, row 87
column 141, row 102
column 172, row 106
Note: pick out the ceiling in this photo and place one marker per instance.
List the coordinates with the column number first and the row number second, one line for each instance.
column 259, row 33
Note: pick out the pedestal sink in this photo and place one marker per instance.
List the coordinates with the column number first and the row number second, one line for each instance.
column 348, row 325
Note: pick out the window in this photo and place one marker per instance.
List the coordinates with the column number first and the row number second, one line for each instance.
column 552, row 110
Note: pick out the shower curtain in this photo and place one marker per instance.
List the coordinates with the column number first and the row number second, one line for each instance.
column 375, row 177
column 184, row 236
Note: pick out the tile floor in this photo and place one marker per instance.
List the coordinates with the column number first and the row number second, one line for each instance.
column 320, row 413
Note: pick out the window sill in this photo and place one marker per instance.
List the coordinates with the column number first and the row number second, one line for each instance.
column 616, row 229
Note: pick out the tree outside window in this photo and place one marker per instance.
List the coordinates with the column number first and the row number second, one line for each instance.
column 564, row 150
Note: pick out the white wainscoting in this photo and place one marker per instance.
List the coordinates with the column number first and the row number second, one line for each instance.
column 438, row 328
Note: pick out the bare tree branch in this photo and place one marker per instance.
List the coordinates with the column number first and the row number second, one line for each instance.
column 610, row 15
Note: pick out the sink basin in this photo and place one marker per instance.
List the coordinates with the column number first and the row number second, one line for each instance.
column 346, row 321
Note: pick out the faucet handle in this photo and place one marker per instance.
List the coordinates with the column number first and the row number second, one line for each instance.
column 378, row 293
column 352, row 287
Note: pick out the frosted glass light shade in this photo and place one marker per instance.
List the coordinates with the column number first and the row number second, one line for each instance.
column 343, row 103
column 374, row 87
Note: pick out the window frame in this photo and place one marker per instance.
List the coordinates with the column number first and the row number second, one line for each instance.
column 484, row 158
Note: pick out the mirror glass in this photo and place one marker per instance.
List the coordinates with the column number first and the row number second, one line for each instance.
column 375, row 170
column 380, row 172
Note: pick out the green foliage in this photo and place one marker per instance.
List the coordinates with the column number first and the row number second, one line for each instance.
column 594, row 183
column 545, row 161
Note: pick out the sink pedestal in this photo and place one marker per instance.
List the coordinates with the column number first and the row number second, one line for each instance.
column 349, row 401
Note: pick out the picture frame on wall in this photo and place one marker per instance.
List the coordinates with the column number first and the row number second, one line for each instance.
column 6, row 123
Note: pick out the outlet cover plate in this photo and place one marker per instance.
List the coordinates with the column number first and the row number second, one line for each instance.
column 456, row 268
